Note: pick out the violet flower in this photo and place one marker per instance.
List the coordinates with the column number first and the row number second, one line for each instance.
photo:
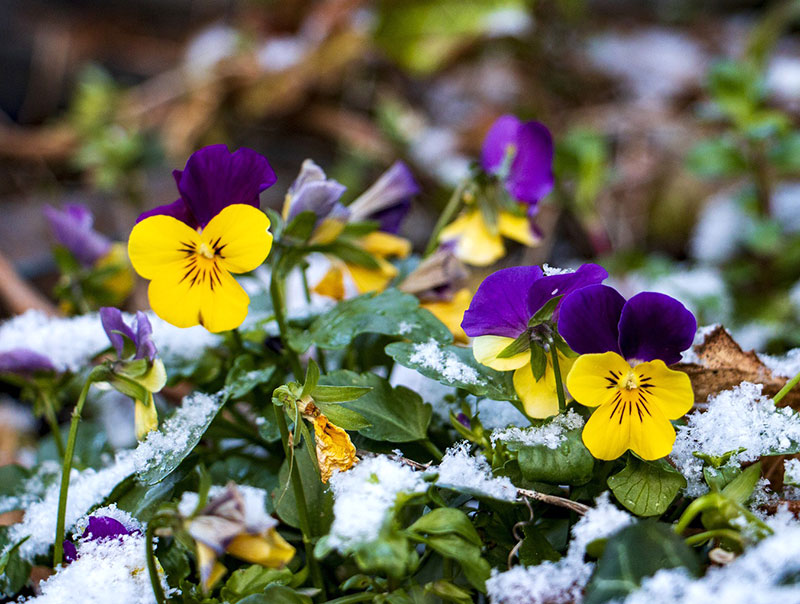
column 72, row 227
column 500, row 313
column 388, row 200
column 139, row 333
column 100, row 528
column 649, row 326
column 24, row 361
column 521, row 154
column 213, row 179
column 313, row 192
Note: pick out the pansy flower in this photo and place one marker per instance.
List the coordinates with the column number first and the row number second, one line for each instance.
column 99, row 528
column 519, row 156
column 237, row 525
column 73, row 228
column 138, row 373
column 500, row 314
column 314, row 192
column 24, row 362
column 189, row 248
column 625, row 348
column 388, row 200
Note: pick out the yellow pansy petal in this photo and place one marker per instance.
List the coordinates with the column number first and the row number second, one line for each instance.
column 328, row 230
column 652, row 436
column 588, row 381
column 211, row 571
column 475, row 245
column 607, row 434
column 240, row 235
column 155, row 379
column 331, row 285
column 370, row 279
column 145, row 417
column 452, row 313
column 539, row 398
column 120, row 280
column 517, row 228
column 225, row 306
column 160, row 243
column 269, row 549
column 335, row 451
column 175, row 300
column 379, row 243
column 669, row 389
column 486, row 348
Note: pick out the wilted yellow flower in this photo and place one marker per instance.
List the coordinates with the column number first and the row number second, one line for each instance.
column 335, row 451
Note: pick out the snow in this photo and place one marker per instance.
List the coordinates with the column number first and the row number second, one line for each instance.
column 560, row 582
column 737, row 418
column 551, row 434
column 430, row 390
column 787, row 365
column 554, row 270
column 364, row 496
column 496, row 415
column 766, row 573
column 791, row 472
column 719, row 229
column 106, row 570
column 430, row 356
column 461, row 471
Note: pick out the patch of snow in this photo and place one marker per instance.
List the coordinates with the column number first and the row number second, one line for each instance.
column 551, row 434
column 787, row 365
column 719, row 229
column 737, row 418
column 472, row 473
column 430, row 356
column 508, row 21
column 791, row 471
column 364, row 496
column 209, row 47
column 554, row 270
column 783, row 78
column 16, row 417
column 496, row 415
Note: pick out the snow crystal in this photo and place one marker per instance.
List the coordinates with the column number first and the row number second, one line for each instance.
column 551, row 434
column 554, row 270
column 737, row 418
column 496, row 415
column 363, row 497
column 560, row 582
column 791, row 471
column 106, row 570
column 404, row 327
column 430, row 356
column 766, row 573
column 787, row 365
column 460, row 470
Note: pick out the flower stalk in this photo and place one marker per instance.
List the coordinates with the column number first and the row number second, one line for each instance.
column 786, row 388
column 277, row 296
column 152, row 569
column 562, row 399
column 453, row 204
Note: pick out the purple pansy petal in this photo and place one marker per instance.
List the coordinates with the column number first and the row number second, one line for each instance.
column 388, row 199
column 390, row 219
column 589, row 319
column 500, row 306
column 562, row 285
column 215, row 178
column 145, row 347
column 22, row 360
column 177, row 209
column 655, row 326
column 112, row 321
column 531, row 176
column 502, row 133
column 70, row 552
column 319, row 197
column 72, row 227
column 103, row 527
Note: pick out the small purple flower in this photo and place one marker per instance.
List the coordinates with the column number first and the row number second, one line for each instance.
column 24, row 361
column 508, row 298
column 388, row 200
column 529, row 176
column 100, row 528
column 464, row 421
column 313, row 192
column 649, row 326
column 213, row 179
column 139, row 333
column 72, row 227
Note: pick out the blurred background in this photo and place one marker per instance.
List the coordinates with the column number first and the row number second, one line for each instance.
column 676, row 124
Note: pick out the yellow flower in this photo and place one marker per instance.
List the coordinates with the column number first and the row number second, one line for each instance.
column 120, row 281
column 335, row 451
column 451, row 312
column 479, row 245
column 634, row 404
column 190, row 271
column 539, row 397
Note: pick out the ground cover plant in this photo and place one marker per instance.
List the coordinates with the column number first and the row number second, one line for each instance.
column 377, row 432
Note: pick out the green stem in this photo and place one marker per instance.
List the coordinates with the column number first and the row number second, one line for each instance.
column 276, row 293
column 432, row 449
column 785, row 390
column 58, row 552
column 453, row 204
column 306, row 287
column 362, row 597
column 300, row 502
column 237, row 337
column 719, row 533
column 697, row 506
column 52, row 421
column 562, row 399
column 152, row 570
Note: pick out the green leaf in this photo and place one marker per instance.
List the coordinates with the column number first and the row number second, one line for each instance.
column 646, row 488
column 14, row 571
column 185, row 437
column 391, row 554
column 545, row 313
column 277, row 594
column 538, row 362
column 301, row 226
column 454, row 366
column 312, row 378
column 443, row 521
column 391, row 313
column 244, row 376
column 569, row 463
column 468, row 555
column 338, row 394
column 717, row 478
column 344, row 417
column 521, row 344
column 535, row 547
column 395, row 414
column 636, row 552
column 352, row 254
column 318, row 496
column 449, row 592
column 252, row 580
column 741, row 488
column 716, row 158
